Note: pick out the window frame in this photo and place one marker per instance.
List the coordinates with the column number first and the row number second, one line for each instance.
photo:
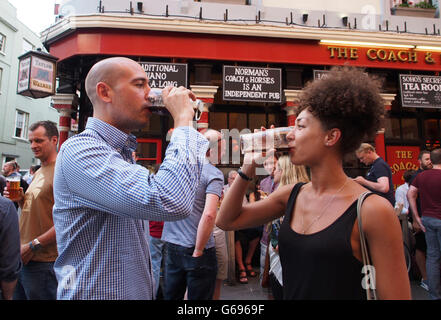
column 25, row 128
column 1, row 78
column 2, row 43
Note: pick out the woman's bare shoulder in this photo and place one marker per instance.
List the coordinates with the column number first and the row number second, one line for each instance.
column 377, row 213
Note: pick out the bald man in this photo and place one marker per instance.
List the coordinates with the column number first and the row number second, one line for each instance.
column 102, row 196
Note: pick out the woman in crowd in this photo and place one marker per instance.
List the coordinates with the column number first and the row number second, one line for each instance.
column 319, row 240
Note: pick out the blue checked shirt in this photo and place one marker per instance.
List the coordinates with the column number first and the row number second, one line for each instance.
column 101, row 200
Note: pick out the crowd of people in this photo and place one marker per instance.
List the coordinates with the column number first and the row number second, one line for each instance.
column 95, row 225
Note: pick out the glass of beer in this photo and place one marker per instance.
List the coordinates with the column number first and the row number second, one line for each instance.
column 13, row 187
column 265, row 140
column 157, row 104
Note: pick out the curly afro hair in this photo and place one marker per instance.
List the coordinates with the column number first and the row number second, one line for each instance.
column 347, row 99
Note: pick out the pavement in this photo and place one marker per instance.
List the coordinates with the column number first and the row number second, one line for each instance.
column 253, row 291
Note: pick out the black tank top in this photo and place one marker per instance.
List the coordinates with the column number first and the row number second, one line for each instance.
column 320, row 265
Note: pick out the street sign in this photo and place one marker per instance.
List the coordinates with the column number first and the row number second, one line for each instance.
column 163, row 74
column 420, row 91
column 36, row 74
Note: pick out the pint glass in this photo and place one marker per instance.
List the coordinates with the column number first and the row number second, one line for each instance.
column 13, row 187
column 157, row 104
column 265, row 140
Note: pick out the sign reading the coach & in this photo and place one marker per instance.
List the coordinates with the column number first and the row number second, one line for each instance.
column 162, row 75
column 252, row 84
column 420, row 91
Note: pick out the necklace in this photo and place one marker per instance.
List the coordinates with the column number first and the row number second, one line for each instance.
column 324, row 209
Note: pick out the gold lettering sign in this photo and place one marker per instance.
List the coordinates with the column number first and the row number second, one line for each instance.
column 343, row 53
column 381, row 55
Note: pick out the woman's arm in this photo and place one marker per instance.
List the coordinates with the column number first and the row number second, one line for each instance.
column 385, row 242
column 233, row 216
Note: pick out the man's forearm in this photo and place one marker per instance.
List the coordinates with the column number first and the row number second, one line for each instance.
column 47, row 238
column 377, row 186
column 205, row 228
column 7, row 289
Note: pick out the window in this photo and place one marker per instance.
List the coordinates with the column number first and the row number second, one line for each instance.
column 409, row 129
column 235, row 122
column 2, row 42
column 27, row 46
column 405, row 128
column 21, row 124
column 1, row 75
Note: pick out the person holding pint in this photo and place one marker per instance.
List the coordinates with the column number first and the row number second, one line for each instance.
column 319, row 239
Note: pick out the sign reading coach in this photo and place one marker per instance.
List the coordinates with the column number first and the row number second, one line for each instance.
column 162, row 75
column 420, row 91
column 252, row 84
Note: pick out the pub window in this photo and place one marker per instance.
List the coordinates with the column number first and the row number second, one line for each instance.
column 256, row 120
column 432, row 129
column 218, row 120
column 405, row 128
column 241, row 121
column 238, row 121
column 409, row 128
column 392, row 128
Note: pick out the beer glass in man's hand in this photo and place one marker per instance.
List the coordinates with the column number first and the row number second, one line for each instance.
column 157, row 105
column 12, row 190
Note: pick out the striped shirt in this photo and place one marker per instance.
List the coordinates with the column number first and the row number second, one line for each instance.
column 101, row 200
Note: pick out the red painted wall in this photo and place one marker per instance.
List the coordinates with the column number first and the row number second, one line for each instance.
column 220, row 47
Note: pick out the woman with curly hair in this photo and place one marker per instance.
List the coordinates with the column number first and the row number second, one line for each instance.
column 319, row 239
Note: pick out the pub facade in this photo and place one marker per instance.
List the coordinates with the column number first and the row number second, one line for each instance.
column 249, row 63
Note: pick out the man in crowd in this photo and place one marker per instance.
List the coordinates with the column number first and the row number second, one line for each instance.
column 2, row 184
column 427, row 185
column 420, row 239
column 102, row 196
column 379, row 176
column 37, row 279
column 401, row 192
column 190, row 249
column 10, row 262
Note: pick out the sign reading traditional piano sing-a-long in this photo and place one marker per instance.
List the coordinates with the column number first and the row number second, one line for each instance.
column 252, row 84
column 163, row 74
column 420, row 91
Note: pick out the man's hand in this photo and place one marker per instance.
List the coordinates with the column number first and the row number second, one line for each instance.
column 418, row 225
column 26, row 253
column 197, row 253
column 178, row 103
column 360, row 180
column 19, row 200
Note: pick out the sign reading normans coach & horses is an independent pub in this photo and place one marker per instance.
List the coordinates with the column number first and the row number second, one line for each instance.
column 252, row 84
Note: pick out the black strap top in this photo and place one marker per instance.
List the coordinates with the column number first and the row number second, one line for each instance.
column 320, row 265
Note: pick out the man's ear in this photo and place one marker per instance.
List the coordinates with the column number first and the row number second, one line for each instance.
column 54, row 140
column 332, row 137
column 104, row 92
